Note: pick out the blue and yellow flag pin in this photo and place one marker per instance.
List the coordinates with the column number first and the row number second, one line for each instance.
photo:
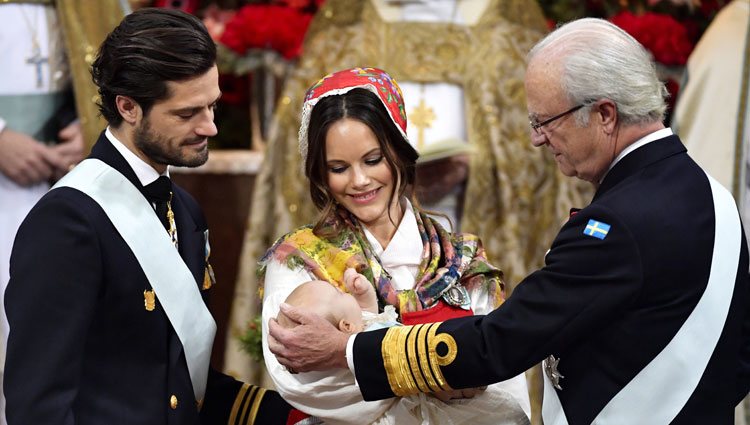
column 596, row 229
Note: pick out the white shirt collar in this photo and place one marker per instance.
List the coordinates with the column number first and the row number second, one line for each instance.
column 656, row 135
column 145, row 173
column 403, row 246
column 402, row 256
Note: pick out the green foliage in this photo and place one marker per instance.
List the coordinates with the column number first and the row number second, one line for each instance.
column 251, row 340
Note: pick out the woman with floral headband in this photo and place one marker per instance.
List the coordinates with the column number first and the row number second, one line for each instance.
column 360, row 168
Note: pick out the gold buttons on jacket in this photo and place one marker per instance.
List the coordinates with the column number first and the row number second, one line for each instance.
column 173, row 401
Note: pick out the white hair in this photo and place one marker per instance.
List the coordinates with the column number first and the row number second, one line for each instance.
column 599, row 60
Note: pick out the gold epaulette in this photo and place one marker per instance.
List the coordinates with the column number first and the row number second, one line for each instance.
column 411, row 358
column 246, row 405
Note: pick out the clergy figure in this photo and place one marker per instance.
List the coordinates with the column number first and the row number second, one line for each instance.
column 47, row 51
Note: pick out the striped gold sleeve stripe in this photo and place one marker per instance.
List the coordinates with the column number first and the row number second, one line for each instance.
column 411, row 359
column 424, row 360
column 256, row 405
column 246, row 405
column 238, row 400
column 411, row 347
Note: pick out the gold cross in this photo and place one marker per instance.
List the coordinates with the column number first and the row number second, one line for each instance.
column 421, row 117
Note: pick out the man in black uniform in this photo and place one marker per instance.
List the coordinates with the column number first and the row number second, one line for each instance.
column 107, row 300
column 641, row 310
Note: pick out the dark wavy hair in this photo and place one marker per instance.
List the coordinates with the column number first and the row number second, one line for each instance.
column 364, row 106
column 146, row 50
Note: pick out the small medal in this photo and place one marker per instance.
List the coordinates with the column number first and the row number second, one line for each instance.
column 458, row 296
column 149, row 300
column 208, row 277
column 550, row 369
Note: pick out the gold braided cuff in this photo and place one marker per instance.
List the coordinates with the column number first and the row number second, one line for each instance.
column 246, row 405
column 411, row 359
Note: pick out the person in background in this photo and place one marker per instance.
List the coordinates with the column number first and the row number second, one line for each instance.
column 711, row 115
column 44, row 128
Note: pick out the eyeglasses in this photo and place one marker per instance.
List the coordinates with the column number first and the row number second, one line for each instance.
column 537, row 125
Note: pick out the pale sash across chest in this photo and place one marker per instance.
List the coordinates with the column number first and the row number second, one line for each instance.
column 174, row 284
column 675, row 372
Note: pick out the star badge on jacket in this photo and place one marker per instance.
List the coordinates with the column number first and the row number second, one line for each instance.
column 550, row 369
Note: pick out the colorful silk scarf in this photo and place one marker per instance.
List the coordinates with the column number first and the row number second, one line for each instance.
column 447, row 260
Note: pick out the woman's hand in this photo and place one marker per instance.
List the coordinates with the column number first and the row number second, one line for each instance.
column 362, row 290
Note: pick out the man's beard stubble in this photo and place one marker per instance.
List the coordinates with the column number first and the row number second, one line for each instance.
column 160, row 149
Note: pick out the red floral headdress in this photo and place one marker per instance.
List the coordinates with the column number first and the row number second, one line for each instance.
column 373, row 79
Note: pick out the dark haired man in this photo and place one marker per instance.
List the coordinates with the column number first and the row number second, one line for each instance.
column 108, row 317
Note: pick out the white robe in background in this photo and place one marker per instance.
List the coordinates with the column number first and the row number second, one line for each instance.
column 18, row 78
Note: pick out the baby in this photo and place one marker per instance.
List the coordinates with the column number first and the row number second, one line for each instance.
column 357, row 311
column 347, row 311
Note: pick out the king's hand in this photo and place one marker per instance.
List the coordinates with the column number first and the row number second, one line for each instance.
column 313, row 344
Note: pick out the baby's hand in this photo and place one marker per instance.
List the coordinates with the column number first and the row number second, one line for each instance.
column 362, row 290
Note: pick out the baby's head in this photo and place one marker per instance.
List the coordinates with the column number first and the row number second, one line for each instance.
column 327, row 301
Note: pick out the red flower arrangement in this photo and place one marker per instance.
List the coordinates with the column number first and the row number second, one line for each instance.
column 661, row 34
column 267, row 26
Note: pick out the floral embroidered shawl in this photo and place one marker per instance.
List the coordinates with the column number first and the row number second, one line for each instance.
column 447, row 259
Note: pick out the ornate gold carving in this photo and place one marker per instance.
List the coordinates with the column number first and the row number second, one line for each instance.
column 422, row 117
column 86, row 24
